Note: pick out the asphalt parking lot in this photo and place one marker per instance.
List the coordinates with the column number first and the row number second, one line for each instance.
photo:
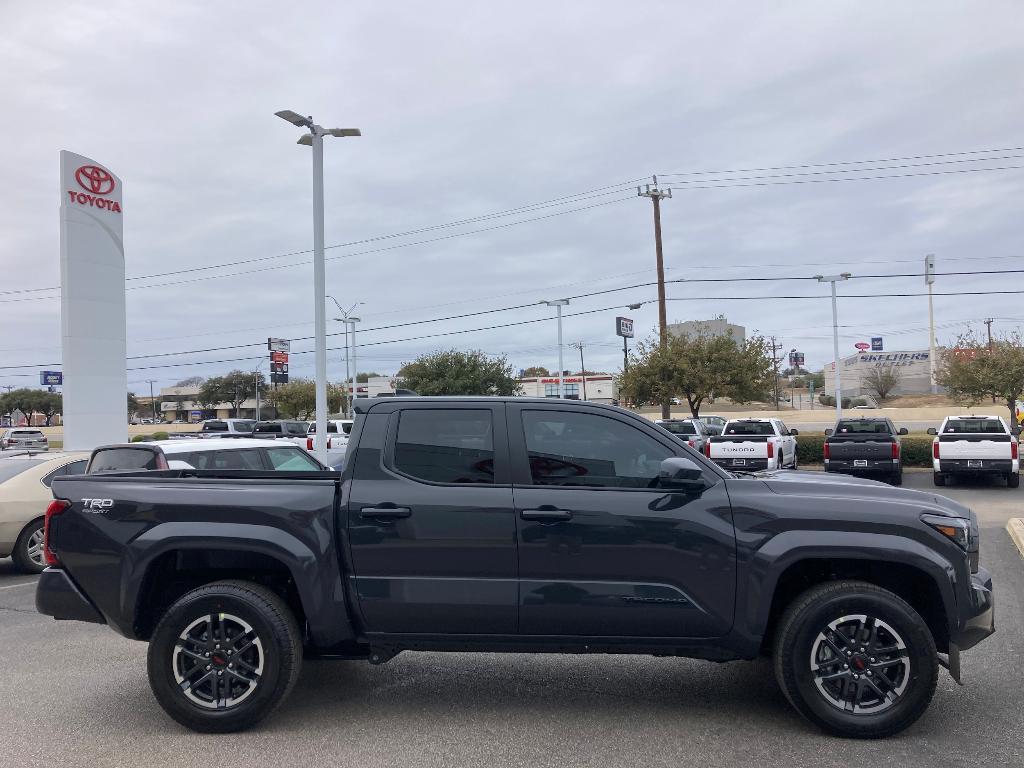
column 76, row 694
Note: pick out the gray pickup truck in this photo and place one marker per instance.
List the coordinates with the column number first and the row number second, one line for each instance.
column 520, row 525
column 869, row 447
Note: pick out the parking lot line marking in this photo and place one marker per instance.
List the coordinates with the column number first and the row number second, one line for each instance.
column 20, row 584
column 1015, row 527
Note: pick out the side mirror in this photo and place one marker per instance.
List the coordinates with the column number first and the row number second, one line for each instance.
column 932, row 431
column 903, row 431
column 682, row 474
column 793, row 432
column 828, row 431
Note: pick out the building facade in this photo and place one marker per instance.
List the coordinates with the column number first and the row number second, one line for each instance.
column 598, row 388
column 914, row 367
column 718, row 326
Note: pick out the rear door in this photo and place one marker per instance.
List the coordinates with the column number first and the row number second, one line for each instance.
column 430, row 520
column 603, row 550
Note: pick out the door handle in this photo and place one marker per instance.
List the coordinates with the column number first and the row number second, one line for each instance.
column 551, row 515
column 385, row 512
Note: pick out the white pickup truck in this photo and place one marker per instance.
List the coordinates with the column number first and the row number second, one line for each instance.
column 753, row 444
column 974, row 445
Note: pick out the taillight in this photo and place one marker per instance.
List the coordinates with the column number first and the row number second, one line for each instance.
column 56, row 507
column 690, row 443
column 309, row 443
column 826, row 452
column 771, row 449
column 707, row 449
column 1013, row 449
column 935, row 449
column 895, row 450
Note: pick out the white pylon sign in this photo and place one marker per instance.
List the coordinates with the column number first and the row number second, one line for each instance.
column 93, row 325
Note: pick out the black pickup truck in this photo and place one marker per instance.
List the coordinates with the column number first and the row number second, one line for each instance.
column 868, row 447
column 520, row 525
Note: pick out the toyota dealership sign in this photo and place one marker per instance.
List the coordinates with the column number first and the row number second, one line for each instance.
column 95, row 187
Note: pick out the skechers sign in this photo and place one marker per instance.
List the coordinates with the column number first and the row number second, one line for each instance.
column 97, row 183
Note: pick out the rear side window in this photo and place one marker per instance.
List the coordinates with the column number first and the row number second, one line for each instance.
column 215, row 426
column 268, row 429
column 73, row 468
column 241, row 459
column 244, row 426
column 446, row 445
column 975, row 427
column 754, row 428
column 292, row 460
column 680, row 427
column 118, row 459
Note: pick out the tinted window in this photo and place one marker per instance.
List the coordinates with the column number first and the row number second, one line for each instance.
column 679, row 427
column 297, row 428
column 446, row 445
column 583, row 449
column 32, row 433
column 9, row 469
column 116, row 459
column 215, row 426
column 862, row 427
column 242, row 459
column 346, row 427
column 74, row 468
column 244, row 426
column 750, row 428
column 975, row 426
column 292, row 460
column 267, row 428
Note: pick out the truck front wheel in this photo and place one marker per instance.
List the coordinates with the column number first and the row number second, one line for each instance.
column 855, row 659
column 224, row 656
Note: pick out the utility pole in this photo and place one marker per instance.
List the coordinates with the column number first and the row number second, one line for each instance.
column 583, row 371
column 775, row 369
column 929, row 279
column 657, row 195
column 988, row 323
column 152, row 400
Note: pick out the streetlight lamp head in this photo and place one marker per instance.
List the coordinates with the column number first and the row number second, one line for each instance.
column 295, row 118
column 833, row 278
column 556, row 302
column 305, row 140
column 342, row 132
column 355, row 320
column 636, row 306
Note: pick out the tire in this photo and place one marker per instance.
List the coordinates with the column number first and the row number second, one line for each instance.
column 897, row 479
column 1012, row 480
column 839, row 608
column 795, row 465
column 938, row 478
column 271, row 648
column 28, row 550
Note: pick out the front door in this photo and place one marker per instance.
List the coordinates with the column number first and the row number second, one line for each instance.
column 430, row 521
column 603, row 551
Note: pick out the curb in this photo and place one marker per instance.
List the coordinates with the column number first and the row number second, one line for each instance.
column 1015, row 527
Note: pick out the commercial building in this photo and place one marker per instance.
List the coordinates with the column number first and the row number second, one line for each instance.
column 600, row 387
column 913, row 366
column 718, row 326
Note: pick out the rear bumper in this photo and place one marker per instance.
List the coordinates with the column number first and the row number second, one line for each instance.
column 977, row 615
column 744, row 464
column 986, row 466
column 871, row 466
column 57, row 596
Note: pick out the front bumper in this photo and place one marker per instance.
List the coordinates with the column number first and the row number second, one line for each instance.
column 977, row 615
column 58, row 596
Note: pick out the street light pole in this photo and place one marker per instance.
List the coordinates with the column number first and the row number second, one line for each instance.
column 355, row 366
column 315, row 139
column 558, row 304
column 344, row 319
column 152, row 400
column 833, row 279
column 583, row 370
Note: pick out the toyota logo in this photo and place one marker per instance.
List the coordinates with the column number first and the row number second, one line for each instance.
column 94, row 179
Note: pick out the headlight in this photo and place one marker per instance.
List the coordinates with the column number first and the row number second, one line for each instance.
column 955, row 529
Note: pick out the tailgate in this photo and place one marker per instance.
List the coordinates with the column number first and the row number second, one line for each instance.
column 974, row 446
column 850, row 450
column 739, row 447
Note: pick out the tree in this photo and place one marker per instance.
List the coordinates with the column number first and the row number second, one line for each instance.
column 191, row 381
column 534, row 371
column 30, row 401
column 459, row 373
column 297, row 398
column 133, row 405
column 971, row 371
column 362, row 378
column 235, row 388
column 49, row 404
column 882, row 381
column 699, row 367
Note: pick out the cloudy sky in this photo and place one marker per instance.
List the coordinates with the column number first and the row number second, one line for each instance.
column 502, row 144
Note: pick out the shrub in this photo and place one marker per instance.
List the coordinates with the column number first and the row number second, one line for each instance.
column 141, row 438
column 160, row 435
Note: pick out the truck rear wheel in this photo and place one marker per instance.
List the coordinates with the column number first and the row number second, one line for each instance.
column 224, row 656
column 939, row 478
column 1012, row 480
column 855, row 659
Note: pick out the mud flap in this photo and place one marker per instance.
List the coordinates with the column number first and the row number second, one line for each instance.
column 952, row 663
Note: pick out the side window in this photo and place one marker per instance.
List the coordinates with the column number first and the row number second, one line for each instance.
column 447, row 445
column 783, row 429
column 74, row 468
column 582, row 449
column 242, row 459
column 292, row 460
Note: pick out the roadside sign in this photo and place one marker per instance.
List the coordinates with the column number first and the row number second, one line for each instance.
column 279, row 357
column 624, row 327
column 862, row 346
column 876, row 343
column 279, row 345
column 51, row 378
column 195, row 416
